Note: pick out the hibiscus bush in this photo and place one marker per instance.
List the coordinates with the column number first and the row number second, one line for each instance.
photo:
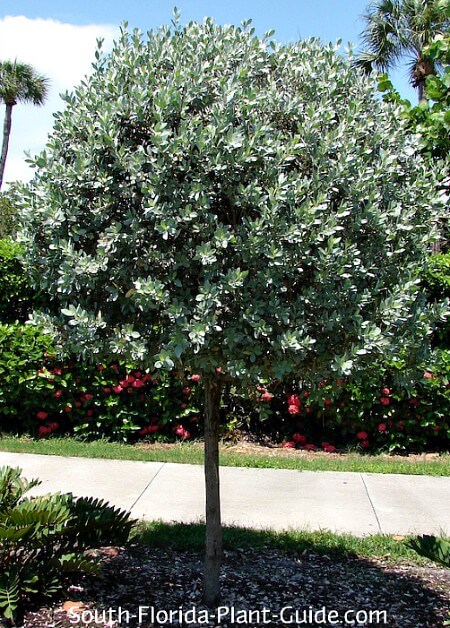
column 43, row 395
column 370, row 411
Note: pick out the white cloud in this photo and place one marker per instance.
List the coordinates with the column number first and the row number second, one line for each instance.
column 62, row 52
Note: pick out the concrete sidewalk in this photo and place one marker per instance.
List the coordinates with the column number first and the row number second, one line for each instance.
column 357, row 503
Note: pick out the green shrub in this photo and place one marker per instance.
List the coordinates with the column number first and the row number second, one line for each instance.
column 44, row 539
column 41, row 395
column 8, row 216
column 436, row 280
column 372, row 411
column 16, row 294
column 22, row 350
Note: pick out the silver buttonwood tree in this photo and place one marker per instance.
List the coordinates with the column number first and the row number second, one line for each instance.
column 213, row 201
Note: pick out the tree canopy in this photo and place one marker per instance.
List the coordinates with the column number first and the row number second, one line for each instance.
column 208, row 199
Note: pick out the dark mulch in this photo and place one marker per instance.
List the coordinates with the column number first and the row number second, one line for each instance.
column 412, row 596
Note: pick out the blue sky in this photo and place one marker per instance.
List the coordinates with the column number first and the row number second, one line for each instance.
column 58, row 38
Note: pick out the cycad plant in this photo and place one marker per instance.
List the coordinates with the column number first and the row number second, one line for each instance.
column 44, row 539
column 432, row 547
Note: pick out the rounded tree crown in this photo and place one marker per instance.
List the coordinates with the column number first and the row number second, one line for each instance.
column 211, row 199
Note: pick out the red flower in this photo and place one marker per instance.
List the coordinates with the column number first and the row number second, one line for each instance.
column 43, row 431
column 361, row 435
column 58, row 394
column 324, row 444
column 267, row 397
column 138, row 383
column 148, row 429
column 42, row 415
column 88, row 397
column 195, row 378
column 385, row 392
column 68, row 409
column 57, row 371
column 365, row 444
column 327, row 402
column 310, row 447
column 288, row 445
column 385, row 401
column 117, row 389
column 428, row 375
column 101, row 367
column 294, row 410
column 293, row 400
column 299, row 439
column 182, row 432
column 187, row 390
column 53, row 426
column 382, row 427
column 414, row 402
column 330, row 449
column 107, row 390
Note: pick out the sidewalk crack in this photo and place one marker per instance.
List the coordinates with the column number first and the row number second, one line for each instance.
column 148, row 486
column 371, row 503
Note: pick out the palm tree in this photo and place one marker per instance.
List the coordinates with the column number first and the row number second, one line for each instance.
column 399, row 30
column 19, row 83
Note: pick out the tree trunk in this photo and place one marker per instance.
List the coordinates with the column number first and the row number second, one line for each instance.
column 421, row 92
column 213, row 553
column 6, row 134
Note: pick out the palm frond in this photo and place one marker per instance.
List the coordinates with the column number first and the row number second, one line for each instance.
column 20, row 83
column 400, row 29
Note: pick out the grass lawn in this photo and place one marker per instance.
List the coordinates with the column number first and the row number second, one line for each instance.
column 241, row 455
column 191, row 537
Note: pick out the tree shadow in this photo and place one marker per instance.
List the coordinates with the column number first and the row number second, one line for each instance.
column 308, row 575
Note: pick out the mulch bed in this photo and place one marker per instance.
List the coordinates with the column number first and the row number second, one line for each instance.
column 412, row 596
